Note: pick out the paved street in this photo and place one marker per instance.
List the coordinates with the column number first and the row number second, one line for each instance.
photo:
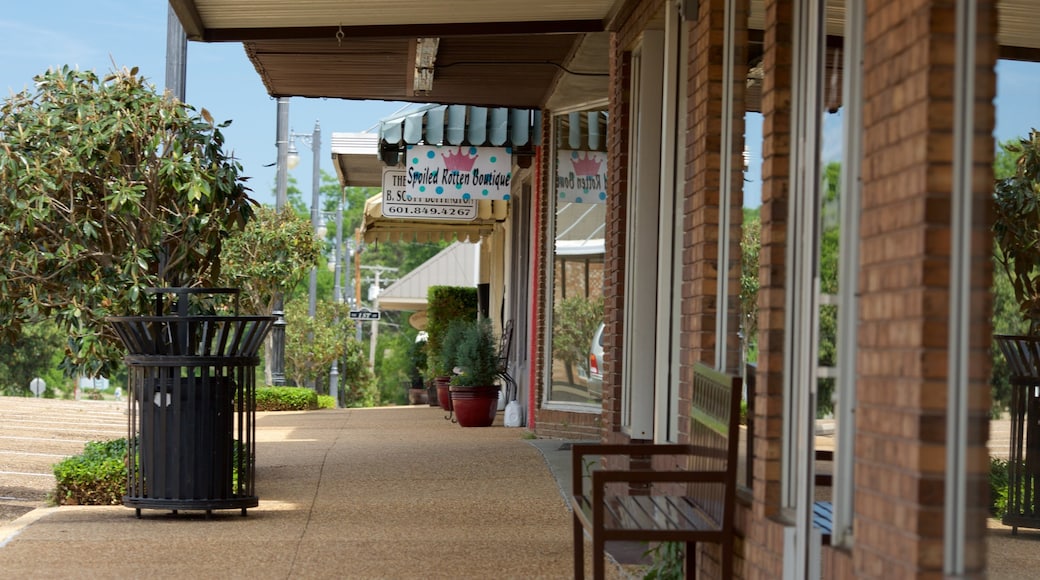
column 37, row 433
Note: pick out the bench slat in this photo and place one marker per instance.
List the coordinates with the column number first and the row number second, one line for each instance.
column 703, row 471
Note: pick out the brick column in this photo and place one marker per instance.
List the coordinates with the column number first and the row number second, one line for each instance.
column 764, row 539
column 701, row 235
column 905, row 285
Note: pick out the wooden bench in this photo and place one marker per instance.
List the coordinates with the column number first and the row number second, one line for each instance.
column 621, row 503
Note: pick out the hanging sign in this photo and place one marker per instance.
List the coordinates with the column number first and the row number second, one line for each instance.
column 398, row 203
column 581, row 176
column 462, row 172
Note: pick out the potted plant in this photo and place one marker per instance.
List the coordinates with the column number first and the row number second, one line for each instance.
column 474, row 393
column 446, row 359
column 445, row 304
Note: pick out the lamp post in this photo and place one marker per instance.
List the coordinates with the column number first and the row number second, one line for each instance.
column 337, row 292
column 278, row 311
column 292, row 159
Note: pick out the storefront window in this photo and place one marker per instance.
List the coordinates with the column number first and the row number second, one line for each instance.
column 579, row 209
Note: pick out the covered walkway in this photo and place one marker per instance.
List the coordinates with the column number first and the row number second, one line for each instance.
column 355, row 493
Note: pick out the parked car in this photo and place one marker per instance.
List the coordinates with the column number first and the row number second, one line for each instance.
column 596, row 363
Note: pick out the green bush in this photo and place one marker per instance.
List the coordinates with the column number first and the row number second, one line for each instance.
column 95, row 477
column 446, row 303
column 285, row 399
column 326, row 402
column 667, row 559
column 998, row 486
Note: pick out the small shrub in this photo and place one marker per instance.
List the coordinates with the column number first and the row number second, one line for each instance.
column 326, row 402
column 95, row 477
column 998, row 486
column 285, row 399
column 667, row 561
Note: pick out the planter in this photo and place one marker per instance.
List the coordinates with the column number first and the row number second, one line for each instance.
column 417, row 397
column 475, row 406
column 431, row 394
column 443, row 395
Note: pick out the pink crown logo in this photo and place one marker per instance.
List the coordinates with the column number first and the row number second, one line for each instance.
column 587, row 166
column 459, row 161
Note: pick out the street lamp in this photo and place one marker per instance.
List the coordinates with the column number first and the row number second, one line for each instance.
column 292, row 160
column 278, row 311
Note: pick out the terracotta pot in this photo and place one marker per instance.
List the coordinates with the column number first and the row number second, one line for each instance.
column 443, row 396
column 475, row 406
column 417, row 396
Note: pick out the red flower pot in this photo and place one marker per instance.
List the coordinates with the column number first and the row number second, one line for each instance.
column 443, row 396
column 475, row 406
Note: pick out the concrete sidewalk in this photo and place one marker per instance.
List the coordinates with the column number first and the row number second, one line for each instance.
column 362, row 493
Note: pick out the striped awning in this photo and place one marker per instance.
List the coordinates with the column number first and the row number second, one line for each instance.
column 519, row 129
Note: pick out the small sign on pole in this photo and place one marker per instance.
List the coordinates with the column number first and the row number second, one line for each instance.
column 37, row 386
column 364, row 314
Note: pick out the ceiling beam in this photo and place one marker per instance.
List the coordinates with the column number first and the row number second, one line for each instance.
column 190, row 19
column 387, row 30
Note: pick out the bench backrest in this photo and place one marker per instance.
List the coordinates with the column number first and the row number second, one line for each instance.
column 715, row 437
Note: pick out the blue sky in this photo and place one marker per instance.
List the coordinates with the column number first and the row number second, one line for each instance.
column 102, row 34
column 1018, row 95
column 95, row 34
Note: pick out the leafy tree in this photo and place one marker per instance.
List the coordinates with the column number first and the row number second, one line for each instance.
column 829, row 250
column 358, row 387
column 574, row 322
column 106, row 188
column 37, row 353
column 1007, row 315
column 271, row 255
column 1017, row 226
column 394, row 359
column 311, row 344
column 750, row 246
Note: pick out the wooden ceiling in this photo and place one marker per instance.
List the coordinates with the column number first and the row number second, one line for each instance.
column 505, row 70
column 492, row 52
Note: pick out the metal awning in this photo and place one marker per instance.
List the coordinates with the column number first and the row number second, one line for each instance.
column 456, row 265
column 519, row 129
column 377, row 228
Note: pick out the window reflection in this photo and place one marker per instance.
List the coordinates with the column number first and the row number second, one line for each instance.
column 579, row 209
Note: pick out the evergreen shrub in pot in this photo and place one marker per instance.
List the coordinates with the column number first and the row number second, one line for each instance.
column 474, row 393
column 445, row 304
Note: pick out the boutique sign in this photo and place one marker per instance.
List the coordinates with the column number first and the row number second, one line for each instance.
column 581, row 176
column 459, row 172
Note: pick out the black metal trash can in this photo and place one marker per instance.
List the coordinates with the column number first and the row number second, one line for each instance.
column 192, row 398
column 1023, row 501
